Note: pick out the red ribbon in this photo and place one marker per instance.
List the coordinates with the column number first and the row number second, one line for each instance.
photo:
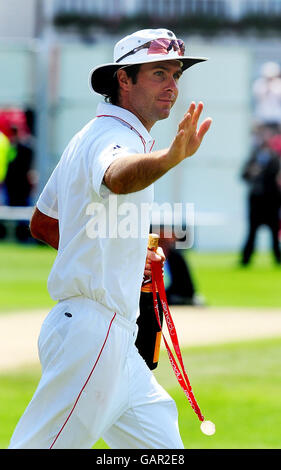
column 158, row 283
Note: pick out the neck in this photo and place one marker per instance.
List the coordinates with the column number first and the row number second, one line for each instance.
column 148, row 124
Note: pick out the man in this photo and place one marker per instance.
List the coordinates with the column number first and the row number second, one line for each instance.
column 262, row 173
column 94, row 382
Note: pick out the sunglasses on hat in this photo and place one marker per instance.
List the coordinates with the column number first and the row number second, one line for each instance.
column 159, row 46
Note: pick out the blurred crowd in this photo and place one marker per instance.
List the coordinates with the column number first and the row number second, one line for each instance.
column 262, row 171
column 18, row 177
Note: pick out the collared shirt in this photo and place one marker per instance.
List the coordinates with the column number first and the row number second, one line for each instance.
column 103, row 236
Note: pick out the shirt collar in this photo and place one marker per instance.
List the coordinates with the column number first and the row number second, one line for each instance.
column 129, row 118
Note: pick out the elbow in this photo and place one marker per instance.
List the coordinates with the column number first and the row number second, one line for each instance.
column 35, row 225
column 113, row 184
column 33, row 228
column 117, row 188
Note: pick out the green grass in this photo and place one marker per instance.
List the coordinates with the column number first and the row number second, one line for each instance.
column 236, row 385
column 24, row 271
column 223, row 282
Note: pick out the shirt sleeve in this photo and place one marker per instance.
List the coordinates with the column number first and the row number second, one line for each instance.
column 48, row 200
column 102, row 161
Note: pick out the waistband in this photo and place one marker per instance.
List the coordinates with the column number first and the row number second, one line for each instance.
column 93, row 304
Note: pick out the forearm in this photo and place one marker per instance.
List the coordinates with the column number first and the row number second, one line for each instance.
column 136, row 172
column 51, row 238
column 45, row 229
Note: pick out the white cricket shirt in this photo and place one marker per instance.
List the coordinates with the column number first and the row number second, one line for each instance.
column 103, row 236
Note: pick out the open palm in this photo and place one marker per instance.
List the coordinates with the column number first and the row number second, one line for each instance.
column 189, row 137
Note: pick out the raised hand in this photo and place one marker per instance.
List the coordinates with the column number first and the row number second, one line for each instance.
column 189, row 136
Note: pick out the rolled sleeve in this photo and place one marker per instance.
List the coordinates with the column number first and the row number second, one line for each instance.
column 48, row 199
column 103, row 160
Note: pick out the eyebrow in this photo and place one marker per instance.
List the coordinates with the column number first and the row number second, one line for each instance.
column 179, row 70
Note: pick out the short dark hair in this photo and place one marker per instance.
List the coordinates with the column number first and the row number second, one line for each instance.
column 113, row 95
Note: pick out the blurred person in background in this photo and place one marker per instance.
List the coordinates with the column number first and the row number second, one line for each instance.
column 274, row 143
column 179, row 282
column 7, row 153
column 262, row 173
column 267, row 95
column 262, row 170
column 20, row 178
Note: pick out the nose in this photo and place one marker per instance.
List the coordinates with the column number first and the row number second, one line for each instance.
column 172, row 85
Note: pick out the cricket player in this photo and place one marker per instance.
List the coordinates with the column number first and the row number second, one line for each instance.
column 94, row 382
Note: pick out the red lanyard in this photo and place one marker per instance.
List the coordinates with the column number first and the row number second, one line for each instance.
column 157, row 281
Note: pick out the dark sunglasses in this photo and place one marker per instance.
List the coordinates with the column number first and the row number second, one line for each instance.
column 159, row 46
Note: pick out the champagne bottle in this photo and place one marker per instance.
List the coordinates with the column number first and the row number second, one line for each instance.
column 149, row 333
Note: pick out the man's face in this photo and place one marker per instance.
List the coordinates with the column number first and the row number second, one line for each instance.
column 155, row 92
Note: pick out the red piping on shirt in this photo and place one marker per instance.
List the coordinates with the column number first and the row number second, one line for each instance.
column 132, row 127
column 79, row 395
column 152, row 145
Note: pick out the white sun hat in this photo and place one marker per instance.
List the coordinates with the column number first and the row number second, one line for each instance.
column 147, row 45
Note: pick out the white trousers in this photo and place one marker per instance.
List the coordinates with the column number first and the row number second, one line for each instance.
column 94, row 384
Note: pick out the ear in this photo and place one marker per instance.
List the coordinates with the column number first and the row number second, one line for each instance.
column 123, row 79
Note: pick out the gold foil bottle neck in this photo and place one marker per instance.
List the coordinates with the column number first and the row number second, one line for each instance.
column 153, row 239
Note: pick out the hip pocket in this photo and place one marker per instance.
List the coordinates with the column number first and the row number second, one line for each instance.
column 49, row 340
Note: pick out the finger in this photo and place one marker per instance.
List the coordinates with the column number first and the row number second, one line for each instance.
column 190, row 123
column 152, row 256
column 185, row 121
column 205, row 126
column 177, row 149
column 148, row 273
column 197, row 113
column 188, row 115
column 179, row 143
column 191, row 108
column 160, row 252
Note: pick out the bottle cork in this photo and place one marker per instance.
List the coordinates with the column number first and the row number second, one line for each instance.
column 153, row 240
